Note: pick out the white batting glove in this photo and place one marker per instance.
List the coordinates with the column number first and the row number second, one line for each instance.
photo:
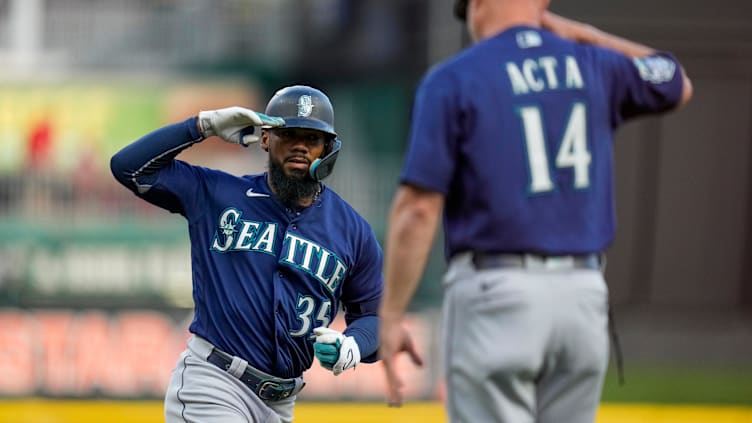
column 335, row 351
column 235, row 124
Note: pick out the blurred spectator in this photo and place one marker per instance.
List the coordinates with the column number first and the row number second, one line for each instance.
column 39, row 145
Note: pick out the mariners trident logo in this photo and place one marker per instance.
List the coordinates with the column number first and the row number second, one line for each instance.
column 305, row 106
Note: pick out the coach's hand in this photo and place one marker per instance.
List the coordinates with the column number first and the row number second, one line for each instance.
column 335, row 351
column 393, row 340
column 235, row 124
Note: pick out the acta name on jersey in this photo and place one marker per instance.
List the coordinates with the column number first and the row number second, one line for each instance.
column 236, row 234
column 545, row 72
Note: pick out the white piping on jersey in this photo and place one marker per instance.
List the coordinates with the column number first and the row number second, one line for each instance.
column 142, row 188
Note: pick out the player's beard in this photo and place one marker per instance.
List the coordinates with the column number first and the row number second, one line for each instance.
column 291, row 189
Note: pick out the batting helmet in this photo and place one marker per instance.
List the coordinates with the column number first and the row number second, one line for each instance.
column 302, row 106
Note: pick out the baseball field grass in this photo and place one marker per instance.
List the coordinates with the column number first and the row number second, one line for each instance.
column 60, row 411
column 731, row 385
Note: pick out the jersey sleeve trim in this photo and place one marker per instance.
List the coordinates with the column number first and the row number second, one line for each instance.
column 135, row 166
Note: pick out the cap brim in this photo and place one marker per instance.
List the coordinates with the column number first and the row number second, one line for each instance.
column 309, row 124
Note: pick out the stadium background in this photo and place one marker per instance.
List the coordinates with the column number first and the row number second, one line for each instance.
column 95, row 285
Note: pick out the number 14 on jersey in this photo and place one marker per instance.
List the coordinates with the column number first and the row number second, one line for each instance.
column 572, row 150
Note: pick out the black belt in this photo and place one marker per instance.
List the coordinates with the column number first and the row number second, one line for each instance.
column 485, row 261
column 267, row 388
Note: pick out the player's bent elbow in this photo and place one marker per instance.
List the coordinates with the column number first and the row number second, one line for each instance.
column 120, row 170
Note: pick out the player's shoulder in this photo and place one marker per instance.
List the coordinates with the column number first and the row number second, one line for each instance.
column 213, row 177
column 345, row 211
column 447, row 76
column 256, row 179
column 204, row 169
column 336, row 201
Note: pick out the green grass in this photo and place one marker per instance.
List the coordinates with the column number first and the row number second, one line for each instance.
column 680, row 385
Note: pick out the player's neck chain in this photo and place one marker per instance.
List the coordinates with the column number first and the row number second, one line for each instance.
column 316, row 195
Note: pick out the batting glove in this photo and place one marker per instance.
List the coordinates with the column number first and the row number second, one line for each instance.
column 335, row 351
column 235, row 124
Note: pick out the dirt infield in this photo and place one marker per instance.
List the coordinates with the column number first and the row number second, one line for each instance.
column 40, row 410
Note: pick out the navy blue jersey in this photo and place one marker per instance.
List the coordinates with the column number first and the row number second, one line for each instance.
column 263, row 275
column 517, row 132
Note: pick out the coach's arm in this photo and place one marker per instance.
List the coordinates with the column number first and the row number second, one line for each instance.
column 413, row 222
column 588, row 34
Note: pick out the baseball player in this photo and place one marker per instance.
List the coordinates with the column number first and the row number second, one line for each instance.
column 512, row 139
column 274, row 257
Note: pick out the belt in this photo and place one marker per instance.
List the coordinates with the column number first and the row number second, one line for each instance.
column 268, row 388
column 485, row 261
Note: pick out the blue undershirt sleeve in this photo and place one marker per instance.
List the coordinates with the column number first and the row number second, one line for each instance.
column 365, row 330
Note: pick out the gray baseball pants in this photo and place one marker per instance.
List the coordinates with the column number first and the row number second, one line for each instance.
column 526, row 344
column 200, row 392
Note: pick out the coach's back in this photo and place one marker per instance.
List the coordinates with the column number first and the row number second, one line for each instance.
column 529, row 165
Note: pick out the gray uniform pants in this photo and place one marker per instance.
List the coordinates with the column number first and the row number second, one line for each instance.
column 526, row 344
column 200, row 392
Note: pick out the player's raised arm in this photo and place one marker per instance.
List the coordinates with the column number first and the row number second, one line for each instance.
column 154, row 150
column 589, row 34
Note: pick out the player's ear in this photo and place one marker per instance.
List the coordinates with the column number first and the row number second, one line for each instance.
column 264, row 142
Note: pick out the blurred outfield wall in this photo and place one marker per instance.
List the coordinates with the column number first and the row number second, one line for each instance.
column 83, row 353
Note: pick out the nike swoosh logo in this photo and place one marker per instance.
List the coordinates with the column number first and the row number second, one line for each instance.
column 350, row 359
column 250, row 193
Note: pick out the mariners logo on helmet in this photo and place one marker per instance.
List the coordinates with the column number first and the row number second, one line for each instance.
column 305, row 106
